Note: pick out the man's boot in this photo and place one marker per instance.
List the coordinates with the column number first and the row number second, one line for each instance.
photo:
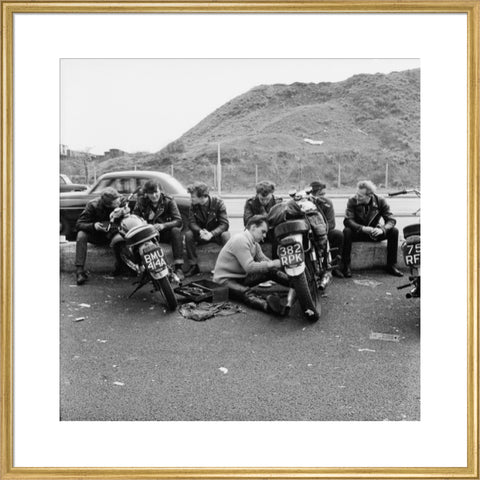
column 258, row 303
column 347, row 271
column 276, row 306
column 81, row 276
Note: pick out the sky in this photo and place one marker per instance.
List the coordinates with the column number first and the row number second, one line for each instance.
column 144, row 104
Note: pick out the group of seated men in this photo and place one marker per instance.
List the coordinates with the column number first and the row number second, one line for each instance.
column 241, row 262
column 207, row 222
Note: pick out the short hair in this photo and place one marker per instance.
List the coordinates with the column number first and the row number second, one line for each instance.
column 199, row 189
column 256, row 220
column 152, row 186
column 368, row 185
column 265, row 188
column 109, row 195
column 316, row 186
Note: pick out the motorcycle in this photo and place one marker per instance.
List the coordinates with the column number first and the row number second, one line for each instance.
column 303, row 251
column 411, row 250
column 143, row 253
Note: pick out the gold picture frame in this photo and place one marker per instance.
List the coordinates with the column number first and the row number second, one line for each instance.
column 469, row 7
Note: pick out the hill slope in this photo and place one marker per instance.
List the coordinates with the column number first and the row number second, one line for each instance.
column 299, row 132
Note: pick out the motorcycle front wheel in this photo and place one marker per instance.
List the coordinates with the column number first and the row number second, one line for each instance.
column 307, row 303
column 163, row 285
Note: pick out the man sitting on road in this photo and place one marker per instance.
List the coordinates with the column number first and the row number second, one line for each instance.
column 207, row 222
column 335, row 237
column 93, row 226
column 241, row 264
column 161, row 210
column 363, row 216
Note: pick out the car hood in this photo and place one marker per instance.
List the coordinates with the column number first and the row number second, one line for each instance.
column 80, row 199
column 72, row 199
column 81, row 194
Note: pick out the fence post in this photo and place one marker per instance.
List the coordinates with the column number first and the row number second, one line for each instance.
column 219, row 174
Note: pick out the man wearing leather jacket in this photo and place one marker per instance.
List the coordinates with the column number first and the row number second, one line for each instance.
column 262, row 202
column 161, row 210
column 93, row 226
column 335, row 237
column 241, row 265
column 207, row 222
column 363, row 223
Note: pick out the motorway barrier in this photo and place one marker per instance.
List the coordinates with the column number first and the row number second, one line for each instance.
column 365, row 255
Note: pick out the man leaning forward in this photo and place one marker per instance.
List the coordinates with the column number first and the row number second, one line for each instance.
column 241, row 264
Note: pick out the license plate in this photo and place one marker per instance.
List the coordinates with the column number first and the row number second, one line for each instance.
column 411, row 254
column 291, row 255
column 154, row 260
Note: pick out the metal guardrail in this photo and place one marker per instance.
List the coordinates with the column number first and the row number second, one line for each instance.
column 240, row 196
column 341, row 217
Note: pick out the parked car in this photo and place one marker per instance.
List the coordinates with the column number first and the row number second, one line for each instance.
column 66, row 185
column 72, row 204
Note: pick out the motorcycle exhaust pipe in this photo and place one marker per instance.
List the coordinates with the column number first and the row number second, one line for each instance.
column 291, row 297
column 324, row 281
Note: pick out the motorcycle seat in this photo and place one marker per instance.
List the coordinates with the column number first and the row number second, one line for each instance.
column 140, row 234
column 291, row 226
column 410, row 230
column 412, row 239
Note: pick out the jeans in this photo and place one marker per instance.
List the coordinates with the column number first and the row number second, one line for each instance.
column 192, row 238
column 335, row 239
column 174, row 238
column 239, row 288
column 97, row 238
column 350, row 236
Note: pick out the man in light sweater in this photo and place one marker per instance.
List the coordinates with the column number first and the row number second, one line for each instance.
column 241, row 264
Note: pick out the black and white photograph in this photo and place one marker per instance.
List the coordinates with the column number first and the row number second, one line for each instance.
column 240, row 239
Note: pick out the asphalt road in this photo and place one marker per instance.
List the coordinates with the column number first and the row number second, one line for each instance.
column 130, row 360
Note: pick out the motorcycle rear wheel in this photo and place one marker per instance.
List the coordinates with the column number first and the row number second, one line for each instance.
column 128, row 260
column 308, row 305
column 163, row 285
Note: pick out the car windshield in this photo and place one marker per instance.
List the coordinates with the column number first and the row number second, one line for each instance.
column 126, row 185
column 169, row 185
column 121, row 185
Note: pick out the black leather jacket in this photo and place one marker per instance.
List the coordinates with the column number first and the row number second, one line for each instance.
column 254, row 207
column 166, row 211
column 369, row 215
column 212, row 217
column 95, row 211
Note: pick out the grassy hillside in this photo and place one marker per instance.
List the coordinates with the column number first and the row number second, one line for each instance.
column 362, row 123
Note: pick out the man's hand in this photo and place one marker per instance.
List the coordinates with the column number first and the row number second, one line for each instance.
column 275, row 264
column 159, row 226
column 98, row 226
column 376, row 232
column 206, row 235
column 367, row 230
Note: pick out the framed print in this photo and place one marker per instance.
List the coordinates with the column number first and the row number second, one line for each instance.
column 239, row 201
